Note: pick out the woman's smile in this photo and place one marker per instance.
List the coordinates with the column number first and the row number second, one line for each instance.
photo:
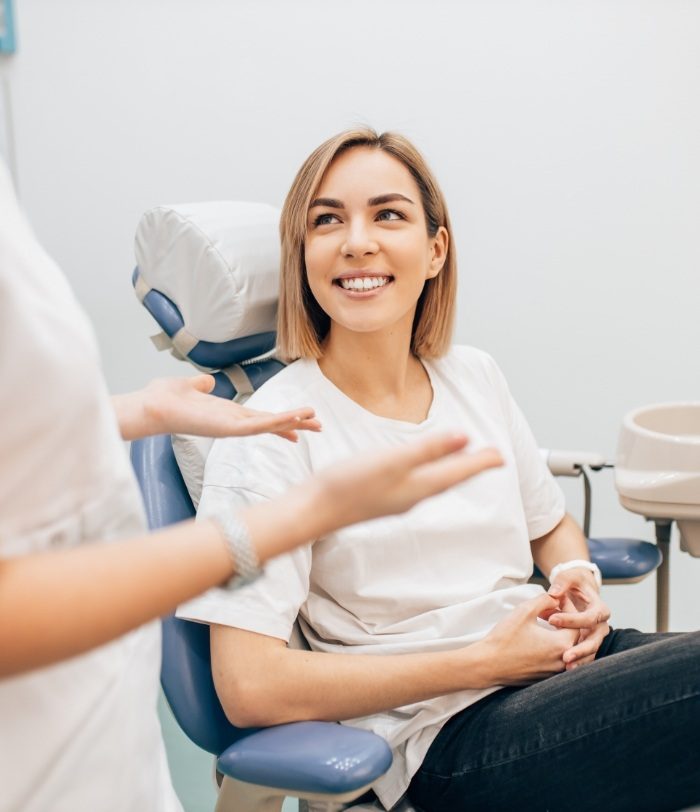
column 362, row 284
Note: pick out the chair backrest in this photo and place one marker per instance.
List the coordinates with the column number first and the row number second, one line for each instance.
column 186, row 669
column 207, row 273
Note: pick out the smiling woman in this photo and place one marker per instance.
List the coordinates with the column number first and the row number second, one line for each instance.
column 385, row 207
column 424, row 627
column 358, row 249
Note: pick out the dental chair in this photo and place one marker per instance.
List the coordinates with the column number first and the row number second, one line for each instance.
column 208, row 274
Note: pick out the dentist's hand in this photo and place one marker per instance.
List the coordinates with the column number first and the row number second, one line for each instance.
column 588, row 615
column 392, row 481
column 184, row 405
column 361, row 488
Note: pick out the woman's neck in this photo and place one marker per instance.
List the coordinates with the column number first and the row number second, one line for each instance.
column 379, row 372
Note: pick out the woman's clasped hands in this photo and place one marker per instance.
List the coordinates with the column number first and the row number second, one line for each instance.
column 523, row 648
column 559, row 630
column 587, row 615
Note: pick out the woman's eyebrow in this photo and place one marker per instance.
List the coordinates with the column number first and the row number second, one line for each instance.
column 330, row 202
column 380, row 200
column 392, row 197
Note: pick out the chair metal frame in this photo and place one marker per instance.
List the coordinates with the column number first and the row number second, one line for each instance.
column 621, row 560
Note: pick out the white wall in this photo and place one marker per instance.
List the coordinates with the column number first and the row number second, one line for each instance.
column 566, row 135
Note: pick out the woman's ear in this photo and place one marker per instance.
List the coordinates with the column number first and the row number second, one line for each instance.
column 438, row 252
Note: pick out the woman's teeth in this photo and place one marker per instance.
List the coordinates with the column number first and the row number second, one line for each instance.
column 363, row 282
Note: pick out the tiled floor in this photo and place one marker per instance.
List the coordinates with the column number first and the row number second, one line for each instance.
column 191, row 768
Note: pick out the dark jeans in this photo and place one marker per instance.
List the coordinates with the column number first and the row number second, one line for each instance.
column 622, row 733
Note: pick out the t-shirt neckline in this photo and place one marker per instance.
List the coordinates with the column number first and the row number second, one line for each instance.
column 402, row 425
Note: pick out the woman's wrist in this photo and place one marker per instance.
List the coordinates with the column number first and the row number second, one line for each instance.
column 584, row 568
column 470, row 667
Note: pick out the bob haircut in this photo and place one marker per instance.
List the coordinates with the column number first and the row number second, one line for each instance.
column 301, row 323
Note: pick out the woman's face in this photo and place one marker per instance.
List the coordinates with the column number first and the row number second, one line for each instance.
column 368, row 252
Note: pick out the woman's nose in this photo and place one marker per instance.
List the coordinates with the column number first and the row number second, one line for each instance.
column 358, row 242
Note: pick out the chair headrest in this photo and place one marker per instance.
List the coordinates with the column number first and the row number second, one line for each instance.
column 208, row 273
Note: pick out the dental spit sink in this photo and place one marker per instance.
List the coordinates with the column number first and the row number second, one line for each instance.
column 657, row 472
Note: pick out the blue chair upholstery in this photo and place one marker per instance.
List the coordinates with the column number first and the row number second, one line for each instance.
column 216, row 355
column 623, row 560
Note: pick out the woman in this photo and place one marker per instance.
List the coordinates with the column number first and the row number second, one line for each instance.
column 79, row 657
column 423, row 627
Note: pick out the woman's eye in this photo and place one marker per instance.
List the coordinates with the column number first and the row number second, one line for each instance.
column 389, row 214
column 325, row 219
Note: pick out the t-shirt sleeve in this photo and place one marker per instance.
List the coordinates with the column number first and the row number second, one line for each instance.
column 242, row 472
column 542, row 499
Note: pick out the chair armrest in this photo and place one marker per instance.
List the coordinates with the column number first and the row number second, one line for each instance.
column 571, row 463
column 308, row 758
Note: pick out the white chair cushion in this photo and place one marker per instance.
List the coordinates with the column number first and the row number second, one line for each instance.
column 218, row 262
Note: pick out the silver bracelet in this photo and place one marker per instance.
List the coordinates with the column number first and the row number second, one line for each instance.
column 569, row 565
column 240, row 549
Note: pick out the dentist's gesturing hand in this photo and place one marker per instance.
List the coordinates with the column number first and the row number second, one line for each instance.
column 184, row 405
column 393, row 481
column 364, row 487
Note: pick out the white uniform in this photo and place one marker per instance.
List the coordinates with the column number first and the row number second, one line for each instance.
column 83, row 734
column 438, row 577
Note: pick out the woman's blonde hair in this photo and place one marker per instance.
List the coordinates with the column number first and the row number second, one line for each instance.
column 301, row 323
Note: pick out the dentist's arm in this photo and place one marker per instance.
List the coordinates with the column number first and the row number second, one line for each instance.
column 54, row 605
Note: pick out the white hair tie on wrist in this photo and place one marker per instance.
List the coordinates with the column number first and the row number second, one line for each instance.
column 570, row 565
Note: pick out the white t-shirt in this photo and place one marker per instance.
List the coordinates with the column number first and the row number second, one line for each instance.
column 437, row 577
column 82, row 734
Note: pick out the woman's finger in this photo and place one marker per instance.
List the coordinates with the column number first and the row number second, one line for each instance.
column 589, row 618
column 587, row 648
column 580, row 662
